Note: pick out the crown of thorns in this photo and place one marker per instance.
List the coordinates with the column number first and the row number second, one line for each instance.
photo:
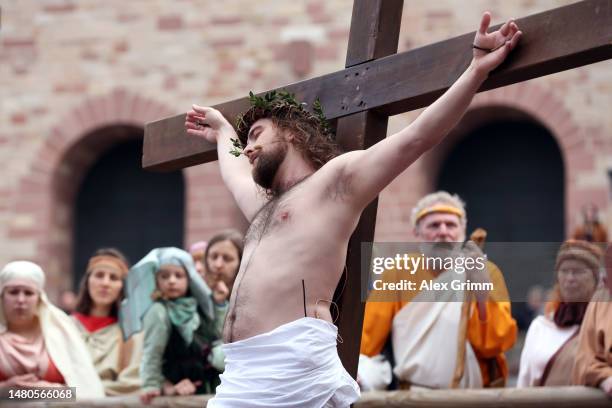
column 279, row 104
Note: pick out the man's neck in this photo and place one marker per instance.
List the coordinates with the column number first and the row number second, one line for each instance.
column 293, row 170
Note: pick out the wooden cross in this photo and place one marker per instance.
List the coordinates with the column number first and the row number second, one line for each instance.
column 377, row 83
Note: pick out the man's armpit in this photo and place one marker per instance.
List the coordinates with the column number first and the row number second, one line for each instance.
column 341, row 187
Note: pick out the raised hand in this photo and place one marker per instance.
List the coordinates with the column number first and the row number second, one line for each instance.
column 491, row 49
column 205, row 122
column 220, row 292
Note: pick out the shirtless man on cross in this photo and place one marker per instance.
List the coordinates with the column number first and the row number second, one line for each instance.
column 303, row 204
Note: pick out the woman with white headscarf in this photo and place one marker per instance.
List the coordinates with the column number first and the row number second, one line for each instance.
column 39, row 345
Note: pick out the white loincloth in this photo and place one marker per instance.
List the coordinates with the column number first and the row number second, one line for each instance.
column 294, row 365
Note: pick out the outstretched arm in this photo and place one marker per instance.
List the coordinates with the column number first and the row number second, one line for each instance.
column 371, row 170
column 209, row 123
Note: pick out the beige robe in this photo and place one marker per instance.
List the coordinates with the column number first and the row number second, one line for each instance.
column 557, row 372
column 488, row 340
column 421, row 329
column 117, row 363
column 594, row 356
column 544, row 341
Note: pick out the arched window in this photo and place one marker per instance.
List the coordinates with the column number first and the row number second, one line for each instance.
column 510, row 174
column 121, row 205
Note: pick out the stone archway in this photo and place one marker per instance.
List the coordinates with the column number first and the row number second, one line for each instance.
column 529, row 100
column 509, row 169
column 45, row 195
column 576, row 142
column 550, row 111
column 120, row 205
column 510, row 172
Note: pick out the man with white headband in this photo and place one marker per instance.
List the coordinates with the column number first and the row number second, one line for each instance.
column 430, row 348
column 39, row 345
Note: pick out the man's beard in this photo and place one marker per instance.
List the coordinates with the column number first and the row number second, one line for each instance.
column 267, row 166
column 441, row 249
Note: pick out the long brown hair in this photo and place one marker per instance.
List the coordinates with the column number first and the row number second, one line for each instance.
column 232, row 236
column 310, row 137
column 84, row 301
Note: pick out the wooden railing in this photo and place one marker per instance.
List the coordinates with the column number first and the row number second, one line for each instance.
column 544, row 397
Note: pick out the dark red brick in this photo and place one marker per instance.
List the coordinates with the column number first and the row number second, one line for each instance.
column 340, row 35
column 72, row 87
column 18, row 118
column 121, row 46
column 326, row 52
column 279, row 21
column 90, row 55
column 226, row 20
column 227, row 42
column 16, row 42
column 170, row 82
column 227, row 65
column 170, row 22
column 66, row 7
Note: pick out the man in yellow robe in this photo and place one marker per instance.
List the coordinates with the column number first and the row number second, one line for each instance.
column 449, row 342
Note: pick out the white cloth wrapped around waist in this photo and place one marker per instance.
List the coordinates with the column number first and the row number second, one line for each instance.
column 294, row 365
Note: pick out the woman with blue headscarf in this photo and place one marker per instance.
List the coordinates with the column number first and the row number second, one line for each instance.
column 182, row 322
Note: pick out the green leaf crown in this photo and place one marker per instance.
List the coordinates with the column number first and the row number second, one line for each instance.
column 281, row 105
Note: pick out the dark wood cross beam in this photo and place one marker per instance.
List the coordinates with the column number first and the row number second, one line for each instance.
column 377, row 82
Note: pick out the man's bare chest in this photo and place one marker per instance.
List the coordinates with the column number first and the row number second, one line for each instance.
column 275, row 216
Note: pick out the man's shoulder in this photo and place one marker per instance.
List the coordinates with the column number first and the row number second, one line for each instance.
column 332, row 180
column 338, row 163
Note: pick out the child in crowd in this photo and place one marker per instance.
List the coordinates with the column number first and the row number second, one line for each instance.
column 182, row 321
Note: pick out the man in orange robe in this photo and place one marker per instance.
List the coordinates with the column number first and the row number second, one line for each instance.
column 442, row 341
